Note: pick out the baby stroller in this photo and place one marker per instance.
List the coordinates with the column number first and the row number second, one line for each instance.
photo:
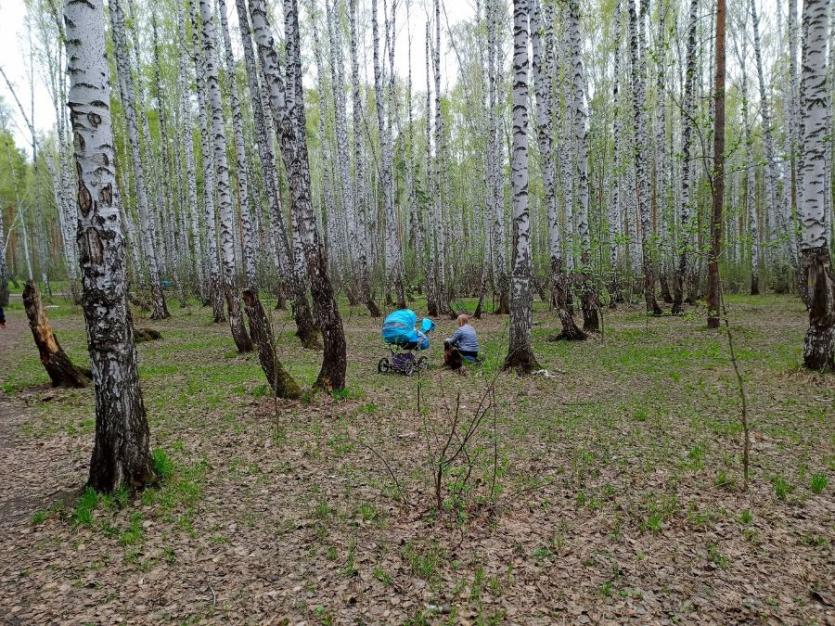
column 400, row 334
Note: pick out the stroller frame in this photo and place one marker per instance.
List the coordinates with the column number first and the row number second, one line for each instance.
column 402, row 361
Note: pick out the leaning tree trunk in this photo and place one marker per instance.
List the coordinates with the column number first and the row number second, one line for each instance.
column 120, row 453
column 57, row 364
column 713, row 286
column 638, row 83
column 280, row 380
column 520, row 355
column 117, row 17
column 287, row 108
column 224, row 195
column 819, row 346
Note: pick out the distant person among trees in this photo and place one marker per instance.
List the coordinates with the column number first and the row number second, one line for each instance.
column 464, row 340
column 2, row 318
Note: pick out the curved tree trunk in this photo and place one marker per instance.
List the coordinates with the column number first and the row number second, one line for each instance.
column 120, row 454
column 280, row 380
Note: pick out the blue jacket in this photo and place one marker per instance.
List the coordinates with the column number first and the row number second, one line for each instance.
column 464, row 339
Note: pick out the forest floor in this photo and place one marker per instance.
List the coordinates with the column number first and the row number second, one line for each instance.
column 607, row 491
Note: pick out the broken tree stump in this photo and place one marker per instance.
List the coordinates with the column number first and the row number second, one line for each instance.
column 141, row 335
column 58, row 365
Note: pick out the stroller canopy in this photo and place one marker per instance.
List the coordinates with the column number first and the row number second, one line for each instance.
column 399, row 329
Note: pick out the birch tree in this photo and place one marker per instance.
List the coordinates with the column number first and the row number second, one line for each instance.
column 642, row 188
column 684, row 231
column 159, row 310
column 287, row 108
column 591, row 321
column 120, row 454
column 520, row 355
column 215, row 289
column 495, row 150
column 393, row 253
column 223, row 190
column 819, row 345
column 357, row 228
column 718, row 178
column 264, row 131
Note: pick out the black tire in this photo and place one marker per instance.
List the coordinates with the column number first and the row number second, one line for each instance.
column 383, row 366
column 421, row 364
column 409, row 369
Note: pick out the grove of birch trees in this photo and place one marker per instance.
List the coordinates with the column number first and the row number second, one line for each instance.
column 583, row 154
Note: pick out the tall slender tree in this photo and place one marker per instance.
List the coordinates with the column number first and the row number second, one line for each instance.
column 819, row 345
column 287, row 107
column 159, row 309
column 718, row 178
column 223, row 187
column 120, row 454
column 638, row 59
column 520, row 355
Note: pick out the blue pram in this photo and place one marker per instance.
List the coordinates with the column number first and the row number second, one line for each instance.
column 400, row 334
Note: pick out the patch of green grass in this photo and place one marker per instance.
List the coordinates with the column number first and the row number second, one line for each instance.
column 818, row 483
column 163, row 466
column 423, row 560
column 541, row 553
column 39, row 517
column 87, row 502
column 134, row 533
column 746, row 517
column 723, row 481
column 716, row 557
column 782, row 488
column 367, row 512
column 382, row 575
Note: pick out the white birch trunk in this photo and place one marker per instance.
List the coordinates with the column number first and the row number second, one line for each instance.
column 117, row 18
column 520, row 352
column 121, row 453
column 819, row 345
column 224, row 194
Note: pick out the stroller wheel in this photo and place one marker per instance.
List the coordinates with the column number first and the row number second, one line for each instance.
column 409, row 369
column 383, row 366
column 421, row 364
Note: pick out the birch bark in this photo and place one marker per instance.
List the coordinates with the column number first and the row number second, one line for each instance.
column 819, row 344
column 123, row 68
column 120, row 453
column 520, row 355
